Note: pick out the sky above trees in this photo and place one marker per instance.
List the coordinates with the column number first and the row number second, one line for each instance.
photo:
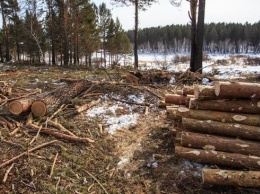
column 163, row 13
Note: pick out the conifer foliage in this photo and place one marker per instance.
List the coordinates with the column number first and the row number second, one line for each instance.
column 64, row 32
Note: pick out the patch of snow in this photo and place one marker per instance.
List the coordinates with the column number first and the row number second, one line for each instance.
column 134, row 98
column 123, row 121
column 111, row 120
column 172, row 80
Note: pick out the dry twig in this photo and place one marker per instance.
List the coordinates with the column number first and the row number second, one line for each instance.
column 97, row 181
column 60, row 127
column 26, row 152
column 7, row 173
column 53, row 165
column 60, row 135
column 36, row 136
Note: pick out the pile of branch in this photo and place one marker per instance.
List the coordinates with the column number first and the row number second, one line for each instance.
column 220, row 125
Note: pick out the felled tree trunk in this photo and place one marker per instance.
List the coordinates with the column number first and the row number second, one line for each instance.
column 218, row 143
column 188, row 91
column 218, row 158
column 237, row 90
column 19, row 106
column 231, row 177
column 176, row 99
column 220, row 128
column 51, row 101
column 238, row 106
column 225, row 117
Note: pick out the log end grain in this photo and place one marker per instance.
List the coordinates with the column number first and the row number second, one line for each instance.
column 15, row 107
column 217, row 87
column 39, row 108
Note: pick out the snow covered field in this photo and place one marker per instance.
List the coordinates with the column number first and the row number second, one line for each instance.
column 222, row 66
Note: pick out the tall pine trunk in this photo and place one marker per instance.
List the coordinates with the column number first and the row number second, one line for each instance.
column 193, row 13
column 136, row 36
column 6, row 33
column 200, row 36
column 65, row 33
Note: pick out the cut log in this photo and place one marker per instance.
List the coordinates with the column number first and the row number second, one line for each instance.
column 175, row 99
column 231, row 177
column 224, row 129
column 188, row 91
column 20, row 106
column 218, row 143
column 225, row 117
column 218, row 158
column 237, row 90
column 205, row 93
column 50, row 101
column 179, row 92
column 237, row 106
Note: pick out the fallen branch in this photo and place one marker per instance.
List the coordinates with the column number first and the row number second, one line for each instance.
column 84, row 107
column 7, row 173
column 60, row 127
column 60, row 135
column 36, row 136
column 26, row 152
column 9, row 124
column 53, row 165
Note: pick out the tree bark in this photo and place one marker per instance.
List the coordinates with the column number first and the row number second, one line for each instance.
column 236, row 106
column 188, row 91
column 220, row 128
column 175, row 99
column 19, row 106
column 237, row 90
column 200, row 36
column 218, row 158
column 6, row 33
column 231, row 177
column 225, row 117
column 193, row 17
column 136, row 34
column 65, row 33
column 218, row 143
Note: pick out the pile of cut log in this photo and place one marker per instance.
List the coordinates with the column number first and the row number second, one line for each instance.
column 47, row 102
column 220, row 125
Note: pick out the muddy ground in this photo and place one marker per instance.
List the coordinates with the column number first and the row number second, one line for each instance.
column 137, row 157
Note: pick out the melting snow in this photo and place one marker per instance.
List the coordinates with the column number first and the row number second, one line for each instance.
column 111, row 120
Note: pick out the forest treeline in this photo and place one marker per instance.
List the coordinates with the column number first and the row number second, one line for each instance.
column 60, row 32
column 218, row 38
column 69, row 32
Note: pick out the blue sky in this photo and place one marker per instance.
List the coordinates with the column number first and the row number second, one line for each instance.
column 163, row 13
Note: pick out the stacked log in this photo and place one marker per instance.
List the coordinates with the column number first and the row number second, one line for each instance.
column 180, row 97
column 221, row 126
